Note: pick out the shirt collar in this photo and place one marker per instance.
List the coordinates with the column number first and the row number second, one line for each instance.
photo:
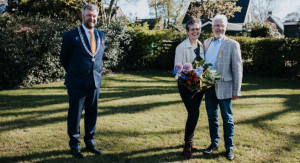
column 189, row 44
column 86, row 29
column 218, row 40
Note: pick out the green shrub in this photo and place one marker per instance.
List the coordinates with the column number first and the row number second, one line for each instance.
column 117, row 45
column 148, row 50
column 29, row 50
column 30, row 47
column 262, row 56
column 261, row 29
column 270, row 56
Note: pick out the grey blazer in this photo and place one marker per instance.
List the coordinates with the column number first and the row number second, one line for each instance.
column 229, row 65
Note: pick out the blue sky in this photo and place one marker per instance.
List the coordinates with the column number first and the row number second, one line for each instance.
column 141, row 8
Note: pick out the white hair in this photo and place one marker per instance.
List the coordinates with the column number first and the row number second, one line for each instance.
column 221, row 17
column 89, row 7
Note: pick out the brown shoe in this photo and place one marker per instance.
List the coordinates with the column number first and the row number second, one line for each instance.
column 194, row 148
column 187, row 150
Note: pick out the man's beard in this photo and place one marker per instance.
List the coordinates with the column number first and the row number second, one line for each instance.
column 86, row 24
column 220, row 34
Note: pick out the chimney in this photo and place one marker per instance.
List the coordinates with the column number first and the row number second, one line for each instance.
column 269, row 12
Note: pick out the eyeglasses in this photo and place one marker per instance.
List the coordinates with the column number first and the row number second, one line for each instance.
column 220, row 26
column 194, row 29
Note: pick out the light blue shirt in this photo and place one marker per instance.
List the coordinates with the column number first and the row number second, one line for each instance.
column 88, row 35
column 213, row 51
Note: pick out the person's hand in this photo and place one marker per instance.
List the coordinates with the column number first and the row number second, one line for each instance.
column 235, row 97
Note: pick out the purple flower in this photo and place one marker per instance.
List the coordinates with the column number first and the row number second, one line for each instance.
column 178, row 67
column 187, row 67
column 198, row 71
column 177, row 70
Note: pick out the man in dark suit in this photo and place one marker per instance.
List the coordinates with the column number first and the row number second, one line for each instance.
column 81, row 56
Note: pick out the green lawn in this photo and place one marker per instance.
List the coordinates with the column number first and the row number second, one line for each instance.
column 141, row 119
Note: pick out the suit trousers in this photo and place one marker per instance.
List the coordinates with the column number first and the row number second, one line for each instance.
column 192, row 105
column 77, row 99
column 212, row 103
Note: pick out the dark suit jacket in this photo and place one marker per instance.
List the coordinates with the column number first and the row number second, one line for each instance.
column 82, row 71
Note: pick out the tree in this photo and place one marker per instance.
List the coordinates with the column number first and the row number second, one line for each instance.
column 109, row 10
column 206, row 10
column 111, row 4
column 261, row 8
column 169, row 9
column 294, row 16
column 67, row 10
column 260, row 29
column 156, row 5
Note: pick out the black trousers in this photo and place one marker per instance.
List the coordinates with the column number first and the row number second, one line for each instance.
column 192, row 105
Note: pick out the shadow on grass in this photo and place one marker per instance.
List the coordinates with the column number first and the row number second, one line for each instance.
column 64, row 156
column 15, row 102
column 39, row 155
column 38, row 120
column 292, row 104
column 13, row 106
column 261, row 83
column 47, row 87
column 165, row 154
column 161, row 154
column 134, row 108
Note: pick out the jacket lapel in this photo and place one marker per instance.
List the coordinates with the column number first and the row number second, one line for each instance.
column 207, row 43
column 220, row 53
column 223, row 44
column 86, row 41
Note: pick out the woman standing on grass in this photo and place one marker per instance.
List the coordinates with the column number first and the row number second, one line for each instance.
column 186, row 52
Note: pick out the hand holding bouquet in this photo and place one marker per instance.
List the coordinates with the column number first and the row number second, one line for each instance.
column 196, row 76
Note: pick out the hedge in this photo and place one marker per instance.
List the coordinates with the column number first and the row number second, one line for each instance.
column 146, row 47
column 261, row 56
column 29, row 50
column 270, row 56
column 30, row 47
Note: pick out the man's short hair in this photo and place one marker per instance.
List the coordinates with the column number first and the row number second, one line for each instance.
column 90, row 7
column 192, row 21
column 220, row 17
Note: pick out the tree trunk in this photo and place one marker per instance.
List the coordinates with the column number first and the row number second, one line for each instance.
column 109, row 10
column 101, row 12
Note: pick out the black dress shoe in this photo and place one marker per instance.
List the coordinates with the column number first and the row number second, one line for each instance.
column 229, row 154
column 210, row 150
column 94, row 150
column 76, row 153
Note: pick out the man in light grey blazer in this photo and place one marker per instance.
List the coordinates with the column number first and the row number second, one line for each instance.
column 225, row 56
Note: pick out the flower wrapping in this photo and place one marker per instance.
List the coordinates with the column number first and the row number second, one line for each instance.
column 196, row 76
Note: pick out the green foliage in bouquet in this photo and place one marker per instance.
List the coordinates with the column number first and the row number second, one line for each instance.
column 196, row 76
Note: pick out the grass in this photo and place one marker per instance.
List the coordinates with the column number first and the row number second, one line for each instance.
column 141, row 119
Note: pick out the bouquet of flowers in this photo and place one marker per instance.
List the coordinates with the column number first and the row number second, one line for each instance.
column 196, row 76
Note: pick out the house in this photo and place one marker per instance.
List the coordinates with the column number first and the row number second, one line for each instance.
column 275, row 21
column 153, row 23
column 232, row 28
column 292, row 29
column 235, row 24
